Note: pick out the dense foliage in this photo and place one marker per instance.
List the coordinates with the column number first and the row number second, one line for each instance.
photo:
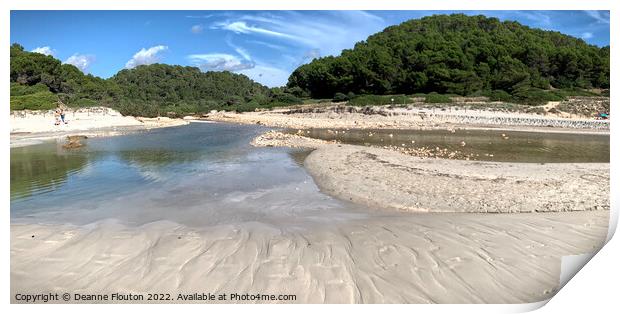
column 178, row 89
column 39, row 81
column 458, row 54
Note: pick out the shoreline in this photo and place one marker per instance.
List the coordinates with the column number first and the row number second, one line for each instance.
column 388, row 179
column 33, row 127
column 418, row 120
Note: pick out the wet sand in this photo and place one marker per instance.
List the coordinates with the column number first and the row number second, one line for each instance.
column 430, row 258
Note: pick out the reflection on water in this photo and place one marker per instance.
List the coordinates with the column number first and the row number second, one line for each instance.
column 199, row 174
column 492, row 145
column 42, row 168
column 206, row 174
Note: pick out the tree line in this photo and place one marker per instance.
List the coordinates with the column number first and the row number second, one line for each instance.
column 461, row 55
column 39, row 81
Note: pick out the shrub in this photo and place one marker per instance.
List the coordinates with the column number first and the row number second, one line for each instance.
column 38, row 101
column 378, row 100
column 21, row 90
column 434, row 98
column 286, row 99
column 339, row 97
column 535, row 96
column 498, row 95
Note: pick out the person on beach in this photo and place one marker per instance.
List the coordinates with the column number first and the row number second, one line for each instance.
column 62, row 115
column 57, row 116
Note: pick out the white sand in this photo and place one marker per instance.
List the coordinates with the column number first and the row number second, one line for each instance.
column 29, row 127
column 420, row 258
column 384, row 178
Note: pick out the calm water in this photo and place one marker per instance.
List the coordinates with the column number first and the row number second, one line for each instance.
column 207, row 174
column 199, row 174
column 513, row 147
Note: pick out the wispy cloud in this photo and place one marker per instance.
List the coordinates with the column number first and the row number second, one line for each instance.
column 239, row 50
column 302, row 36
column 331, row 32
column 204, row 16
column 599, row 16
column 145, row 56
column 537, row 18
column 197, row 29
column 241, row 27
column 587, row 35
column 82, row 62
column 268, row 45
column 46, row 50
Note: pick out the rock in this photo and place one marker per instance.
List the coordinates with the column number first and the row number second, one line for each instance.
column 73, row 141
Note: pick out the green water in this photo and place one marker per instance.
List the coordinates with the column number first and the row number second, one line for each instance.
column 489, row 145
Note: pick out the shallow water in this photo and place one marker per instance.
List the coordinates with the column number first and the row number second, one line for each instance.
column 199, row 174
column 207, row 174
column 489, row 145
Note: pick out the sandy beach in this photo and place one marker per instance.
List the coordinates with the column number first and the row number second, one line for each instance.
column 443, row 231
column 31, row 127
column 432, row 258
column 383, row 178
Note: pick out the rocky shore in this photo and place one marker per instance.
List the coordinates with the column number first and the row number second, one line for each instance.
column 386, row 117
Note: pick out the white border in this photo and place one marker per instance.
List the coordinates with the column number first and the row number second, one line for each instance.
column 596, row 282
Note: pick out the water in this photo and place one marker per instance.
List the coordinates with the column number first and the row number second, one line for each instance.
column 487, row 145
column 199, row 174
column 207, row 174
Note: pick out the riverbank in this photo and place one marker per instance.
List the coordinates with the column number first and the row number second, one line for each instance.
column 383, row 178
column 384, row 117
column 31, row 127
column 396, row 258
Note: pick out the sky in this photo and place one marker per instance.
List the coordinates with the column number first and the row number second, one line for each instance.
column 264, row 45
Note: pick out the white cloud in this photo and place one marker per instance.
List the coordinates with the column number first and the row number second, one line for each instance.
column 219, row 62
column 82, row 62
column 587, row 35
column 197, row 29
column 599, row 16
column 46, row 50
column 145, row 56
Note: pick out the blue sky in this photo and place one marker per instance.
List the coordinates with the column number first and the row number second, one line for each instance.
column 264, row 45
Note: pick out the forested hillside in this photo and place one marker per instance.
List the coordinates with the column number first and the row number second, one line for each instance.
column 39, row 81
column 458, row 54
column 455, row 54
